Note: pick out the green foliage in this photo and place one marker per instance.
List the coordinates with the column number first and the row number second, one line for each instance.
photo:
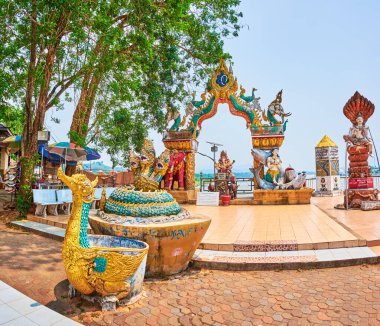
column 153, row 60
column 124, row 130
column 129, row 60
column 12, row 117
column 24, row 198
column 73, row 19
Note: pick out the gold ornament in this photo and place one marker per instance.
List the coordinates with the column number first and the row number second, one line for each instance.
column 81, row 259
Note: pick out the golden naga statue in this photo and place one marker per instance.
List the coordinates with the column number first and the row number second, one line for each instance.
column 148, row 171
column 90, row 268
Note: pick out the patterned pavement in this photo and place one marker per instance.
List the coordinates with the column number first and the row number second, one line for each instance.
column 339, row 296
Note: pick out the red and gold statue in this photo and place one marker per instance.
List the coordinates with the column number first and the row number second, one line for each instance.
column 225, row 181
column 176, row 170
column 359, row 147
column 224, row 165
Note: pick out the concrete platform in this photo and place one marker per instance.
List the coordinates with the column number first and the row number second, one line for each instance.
column 273, row 228
column 251, row 237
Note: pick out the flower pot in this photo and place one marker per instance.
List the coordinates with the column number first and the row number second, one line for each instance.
column 225, row 199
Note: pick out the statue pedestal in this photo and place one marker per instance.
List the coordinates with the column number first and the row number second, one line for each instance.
column 355, row 197
column 282, row 197
column 184, row 196
column 171, row 244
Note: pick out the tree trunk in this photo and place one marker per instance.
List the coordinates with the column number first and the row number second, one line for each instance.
column 83, row 110
column 31, row 127
column 27, row 130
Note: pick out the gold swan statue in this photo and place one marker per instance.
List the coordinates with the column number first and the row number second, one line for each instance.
column 93, row 269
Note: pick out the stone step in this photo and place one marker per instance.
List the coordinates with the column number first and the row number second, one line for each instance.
column 280, row 245
column 45, row 230
column 59, row 221
column 273, row 260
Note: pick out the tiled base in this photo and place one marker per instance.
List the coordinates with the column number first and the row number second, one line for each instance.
column 249, row 260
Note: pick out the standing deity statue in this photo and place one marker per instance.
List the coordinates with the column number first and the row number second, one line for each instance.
column 273, row 163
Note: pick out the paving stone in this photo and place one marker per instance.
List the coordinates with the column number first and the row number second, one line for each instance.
column 335, row 296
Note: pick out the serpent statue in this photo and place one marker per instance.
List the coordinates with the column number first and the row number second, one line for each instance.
column 151, row 215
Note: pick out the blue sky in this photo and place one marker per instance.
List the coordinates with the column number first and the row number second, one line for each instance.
column 318, row 52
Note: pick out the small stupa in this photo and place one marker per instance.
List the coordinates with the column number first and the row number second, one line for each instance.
column 327, row 168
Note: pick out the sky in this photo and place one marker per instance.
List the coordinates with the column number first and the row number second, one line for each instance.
column 318, row 52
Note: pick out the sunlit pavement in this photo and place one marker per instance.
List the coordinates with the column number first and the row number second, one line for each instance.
column 349, row 295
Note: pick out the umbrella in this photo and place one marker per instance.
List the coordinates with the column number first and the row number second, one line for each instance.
column 91, row 154
column 12, row 141
column 68, row 151
column 54, row 158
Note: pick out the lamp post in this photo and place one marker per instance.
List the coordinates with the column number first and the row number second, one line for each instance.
column 214, row 149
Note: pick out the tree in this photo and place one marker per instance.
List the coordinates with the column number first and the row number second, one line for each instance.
column 146, row 55
column 38, row 64
column 12, row 117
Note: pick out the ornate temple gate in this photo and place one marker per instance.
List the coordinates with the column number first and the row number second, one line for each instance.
column 223, row 89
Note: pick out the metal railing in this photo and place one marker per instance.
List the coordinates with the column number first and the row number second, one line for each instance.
column 312, row 182
column 246, row 185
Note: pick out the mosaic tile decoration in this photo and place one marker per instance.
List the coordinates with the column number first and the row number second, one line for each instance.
column 275, row 245
column 288, row 259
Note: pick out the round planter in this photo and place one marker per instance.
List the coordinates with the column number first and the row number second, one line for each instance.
column 171, row 244
column 225, row 199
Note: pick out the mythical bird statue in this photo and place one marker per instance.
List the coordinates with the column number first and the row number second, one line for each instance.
column 92, row 265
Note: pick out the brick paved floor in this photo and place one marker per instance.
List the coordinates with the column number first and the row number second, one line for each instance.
column 342, row 296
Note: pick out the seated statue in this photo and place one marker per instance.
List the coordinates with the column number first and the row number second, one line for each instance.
column 225, row 181
column 273, row 163
column 224, row 165
column 358, row 134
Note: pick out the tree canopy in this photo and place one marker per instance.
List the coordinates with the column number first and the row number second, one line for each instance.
column 122, row 61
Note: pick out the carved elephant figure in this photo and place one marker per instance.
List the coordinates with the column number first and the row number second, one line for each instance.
column 176, row 170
